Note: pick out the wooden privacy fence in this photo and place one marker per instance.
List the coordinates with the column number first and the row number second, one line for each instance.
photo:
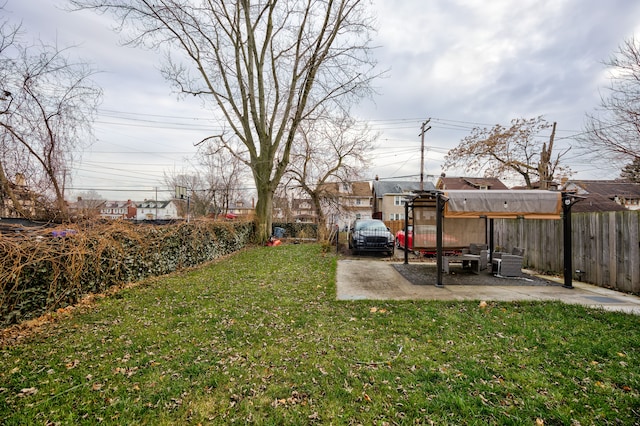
column 394, row 225
column 605, row 245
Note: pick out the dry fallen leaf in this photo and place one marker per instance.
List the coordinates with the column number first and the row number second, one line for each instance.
column 483, row 304
column 28, row 391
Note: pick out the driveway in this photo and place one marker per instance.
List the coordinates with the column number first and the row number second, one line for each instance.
column 374, row 278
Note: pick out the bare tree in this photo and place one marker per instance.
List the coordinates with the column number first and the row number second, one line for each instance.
column 198, row 198
column 46, row 109
column 333, row 149
column 225, row 175
column 8, row 155
column 505, row 152
column 212, row 184
column 613, row 130
column 265, row 66
column 631, row 171
column 88, row 204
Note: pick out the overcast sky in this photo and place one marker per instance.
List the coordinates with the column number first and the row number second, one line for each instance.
column 461, row 63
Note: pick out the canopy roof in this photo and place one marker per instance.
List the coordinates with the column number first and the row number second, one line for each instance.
column 505, row 204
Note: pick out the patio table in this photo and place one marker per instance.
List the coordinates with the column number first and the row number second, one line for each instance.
column 471, row 260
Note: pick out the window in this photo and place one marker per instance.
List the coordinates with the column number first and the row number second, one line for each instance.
column 396, row 216
column 397, row 201
column 358, row 201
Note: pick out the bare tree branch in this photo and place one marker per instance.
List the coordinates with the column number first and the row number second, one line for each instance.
column 504, row 152
column 613, row 130
column 266, row 66
column 331, row 149
column 48, row 104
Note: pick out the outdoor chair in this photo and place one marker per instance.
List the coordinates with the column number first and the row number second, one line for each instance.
column 484, row 259
column 510, row 265
column 517, row 251
column 475, row 248
column 495, row 262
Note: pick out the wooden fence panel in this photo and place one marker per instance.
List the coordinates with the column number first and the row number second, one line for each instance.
column 394, row 225
column 605, row 246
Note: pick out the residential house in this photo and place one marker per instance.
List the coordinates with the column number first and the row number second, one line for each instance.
column 156, row 210
column 480, row 183
column 118, row 209
column 24, row 197
column 604, row 195
column 343, row 202
column 241, row 208
column 86, row 208
column 389, row 197
column 303, row 210
column 281, row 210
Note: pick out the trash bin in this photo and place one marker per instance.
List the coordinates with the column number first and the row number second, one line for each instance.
column 278, row 232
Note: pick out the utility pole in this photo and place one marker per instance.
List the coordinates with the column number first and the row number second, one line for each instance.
column 423, row 130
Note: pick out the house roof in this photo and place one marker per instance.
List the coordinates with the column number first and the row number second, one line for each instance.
column 381, row 188
column 608, row 188
column 596, row 203
column 358, row 189
column 600, row 194
column 116, row 204
column 151, row 204
column 454, row 183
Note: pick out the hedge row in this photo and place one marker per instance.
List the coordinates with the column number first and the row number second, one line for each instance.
column 43, row 271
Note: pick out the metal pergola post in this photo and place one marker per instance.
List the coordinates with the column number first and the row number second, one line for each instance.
column 568, row 200
column 440, row 200
column 406, row 232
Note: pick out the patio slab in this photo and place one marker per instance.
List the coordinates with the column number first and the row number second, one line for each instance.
column 381, row 279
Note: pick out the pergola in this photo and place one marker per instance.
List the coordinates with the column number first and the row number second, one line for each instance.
column 472, row 210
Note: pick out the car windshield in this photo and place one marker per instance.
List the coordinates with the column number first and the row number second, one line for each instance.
column 371, row 226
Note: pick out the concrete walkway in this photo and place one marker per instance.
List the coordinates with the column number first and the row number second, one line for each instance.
column 375, row 279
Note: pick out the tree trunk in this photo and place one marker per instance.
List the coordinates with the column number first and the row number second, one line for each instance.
column 320, row 217
column 544, row 167
column 264, row 207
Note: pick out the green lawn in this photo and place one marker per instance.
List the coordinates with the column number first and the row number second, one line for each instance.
column 259, row 338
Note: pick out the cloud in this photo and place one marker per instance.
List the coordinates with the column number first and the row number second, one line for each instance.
column 464, row 63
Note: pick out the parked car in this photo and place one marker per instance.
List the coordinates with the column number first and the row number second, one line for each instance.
column 427, row 238
column 370, row 235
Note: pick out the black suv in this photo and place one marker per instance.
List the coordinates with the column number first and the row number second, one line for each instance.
column 370, row 235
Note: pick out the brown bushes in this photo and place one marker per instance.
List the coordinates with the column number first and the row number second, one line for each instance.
column 44, row 270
